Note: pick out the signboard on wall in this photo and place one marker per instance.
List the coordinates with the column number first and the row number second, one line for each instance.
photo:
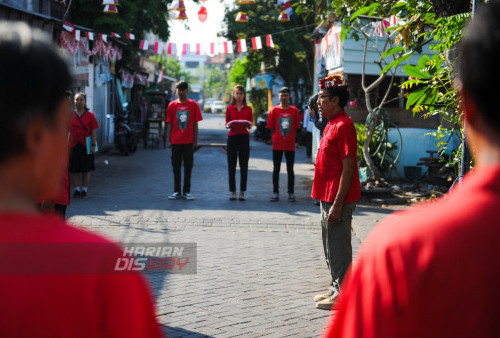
column 330, row 48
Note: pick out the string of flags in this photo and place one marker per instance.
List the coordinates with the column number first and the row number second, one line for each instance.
column 170, row 48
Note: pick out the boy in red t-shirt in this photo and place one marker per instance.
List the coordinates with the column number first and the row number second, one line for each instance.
column 183, row 115
column 283, row 119
column 57, row 280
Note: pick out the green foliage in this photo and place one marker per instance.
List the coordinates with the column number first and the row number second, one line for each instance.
column 216, row 85
column 291, row 58
column 172, row 68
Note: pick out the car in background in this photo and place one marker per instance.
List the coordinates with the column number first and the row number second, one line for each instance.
column 207, row 105
column 218, row 107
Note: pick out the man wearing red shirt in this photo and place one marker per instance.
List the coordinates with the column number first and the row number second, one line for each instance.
column 336, row 183
column 56, row 280
column 183, row 115
column 431, row 271
column 283, row 119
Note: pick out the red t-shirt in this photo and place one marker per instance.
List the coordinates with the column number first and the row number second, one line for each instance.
column 284, row 122
column 77, row 132
column 55, row 283
column 182, row 116
column 339, row 141
column 430, row 271
column 233, row 114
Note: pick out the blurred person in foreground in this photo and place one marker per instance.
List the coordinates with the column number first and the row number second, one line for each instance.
column 336, row 184
column 430, row 271
column 57, row 280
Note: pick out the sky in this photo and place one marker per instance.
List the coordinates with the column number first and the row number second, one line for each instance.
column 193, row 30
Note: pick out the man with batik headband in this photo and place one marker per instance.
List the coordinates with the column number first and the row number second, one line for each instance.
column 336, row 183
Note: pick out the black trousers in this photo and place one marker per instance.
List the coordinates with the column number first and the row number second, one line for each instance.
column 238, row 148
column 290, row 160
column 182, row 153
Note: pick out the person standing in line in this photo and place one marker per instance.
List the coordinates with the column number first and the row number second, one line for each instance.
column 239, row 120
column 336, row 184
column 83, row 129
column 319, row 121
column 57, row 280
column 430, row 271
column 182, row 120
column 283, row 120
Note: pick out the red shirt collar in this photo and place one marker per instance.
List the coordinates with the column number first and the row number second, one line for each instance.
column 336, row 115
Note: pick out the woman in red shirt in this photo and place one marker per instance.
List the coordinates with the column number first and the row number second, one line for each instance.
column 239, row 120
column 81, row 161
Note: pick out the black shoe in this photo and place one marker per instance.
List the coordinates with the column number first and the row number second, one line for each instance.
column 83, row 194
column 275, row 197
column 291, row 198
column 77, row 194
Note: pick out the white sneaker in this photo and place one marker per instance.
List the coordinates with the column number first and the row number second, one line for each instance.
column 188, row 197
column 175, row 196
column 328, row 303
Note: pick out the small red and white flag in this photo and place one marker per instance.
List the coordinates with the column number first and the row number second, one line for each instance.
column 89, row 35
column 228, row 47
column 144, row 45
column 68, row 26
column 212, row 48
column 158, row 48
column 257, row 43
column 171, row 48
column 269, row 41
column 242, row 46
column 160, row 78
column 198, row 49
column 130, row 36
column 103, row 37
column 115, row 35
column 393, row 20
column 77, row 35
column 184, row 48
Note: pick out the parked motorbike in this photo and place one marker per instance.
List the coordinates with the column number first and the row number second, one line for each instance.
column 261, row 132
column 125, row 139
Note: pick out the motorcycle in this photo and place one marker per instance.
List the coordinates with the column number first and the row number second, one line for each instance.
column 261, row 132
column 125, row 139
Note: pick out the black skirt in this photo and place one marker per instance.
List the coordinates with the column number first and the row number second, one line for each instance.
column 79, row 161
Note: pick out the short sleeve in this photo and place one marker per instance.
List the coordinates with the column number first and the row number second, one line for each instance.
column 250, row 114
column 228, row 114
column 270, row 119
column 93, row 122
column 169, row 113
column 347, row 141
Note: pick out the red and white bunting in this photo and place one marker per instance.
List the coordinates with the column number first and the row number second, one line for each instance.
column 89, row 35
column 393, row 20
column 115, row 35
column 158, row 48
column 198, row 49
column 77, row 35
column 68, row 26
column 184, row 48
column 104, row 37
column 269, row 41
column 144, row 45
column 212, row 48
column 242, row 46
column 160, row 78
column 130, row 36
column 257, row 43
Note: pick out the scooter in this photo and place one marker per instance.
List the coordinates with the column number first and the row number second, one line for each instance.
column 261, row 132
column 125, row 139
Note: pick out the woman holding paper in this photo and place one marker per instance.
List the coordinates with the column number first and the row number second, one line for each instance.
column 82, row 145
column 239, row 120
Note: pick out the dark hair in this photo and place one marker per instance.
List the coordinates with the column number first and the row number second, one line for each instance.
column 239, row 87
column 313, row 103
column 181, row 85
column 284, row 90
column 85, row 97
column 33, row 82
column 340, row 92
column 479, row 52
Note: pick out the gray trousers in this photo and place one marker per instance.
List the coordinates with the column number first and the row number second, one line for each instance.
column 337, row 243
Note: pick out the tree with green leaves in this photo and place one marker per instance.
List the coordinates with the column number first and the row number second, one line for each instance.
column 292, row 56
column 438, row 23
